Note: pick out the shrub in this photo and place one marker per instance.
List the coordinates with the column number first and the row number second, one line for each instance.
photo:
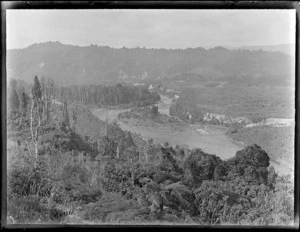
column 200, row 166
column 251, row 163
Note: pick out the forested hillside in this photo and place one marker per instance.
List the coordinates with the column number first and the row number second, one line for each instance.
column 73, row 64
column 285, row 48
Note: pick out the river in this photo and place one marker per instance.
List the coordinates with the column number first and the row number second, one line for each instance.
column 209, row 138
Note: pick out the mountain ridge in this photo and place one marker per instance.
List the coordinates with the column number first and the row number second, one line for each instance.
column 206, row 47
column 93, row 64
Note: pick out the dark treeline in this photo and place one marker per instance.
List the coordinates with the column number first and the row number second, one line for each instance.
column 108, row 95
column 101, row 95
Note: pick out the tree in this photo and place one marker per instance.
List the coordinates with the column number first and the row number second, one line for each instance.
column 24, row 102
column 200, row 166
column 250, row 163
column 219, row 172
column 103, row 103
column 211, row 202
column 36, row 90
column 148, row 149
column 43, row 91
column 36, row 102
column 272, row 176
column 154, row 111
column 52, row 91
column 253, row 155
column 47, row 92
column 74, row 116
column 66, row 121
column 14, row 100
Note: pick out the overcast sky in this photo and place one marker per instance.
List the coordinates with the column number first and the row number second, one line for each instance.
column 151, row 28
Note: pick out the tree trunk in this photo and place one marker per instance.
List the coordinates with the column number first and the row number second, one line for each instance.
column 139, row 157
column 48, row 106
column 118, row 151
column 31, row 119
column 105, row 121
column 36, row 153
column 37, row 131
column 48, row 112
column 54, row 98
column 34, row 137
column 28, row 147
column 65, row 114
column 74, row 116
column 146, row 154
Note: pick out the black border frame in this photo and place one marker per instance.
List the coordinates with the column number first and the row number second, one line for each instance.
column 176, row 5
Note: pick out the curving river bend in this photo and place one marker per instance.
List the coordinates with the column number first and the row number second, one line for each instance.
column 209, row 138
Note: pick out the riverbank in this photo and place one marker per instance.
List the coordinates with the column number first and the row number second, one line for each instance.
column 210, row 138
column 213, row 139
column 278, row 142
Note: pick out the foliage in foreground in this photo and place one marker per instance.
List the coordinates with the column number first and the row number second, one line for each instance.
column 121, row 181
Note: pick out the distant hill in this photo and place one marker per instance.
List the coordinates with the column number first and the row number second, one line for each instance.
column 288, row 49
column 284, row 48
column 68, row 64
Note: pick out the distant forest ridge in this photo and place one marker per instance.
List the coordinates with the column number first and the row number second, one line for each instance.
column 288, row 49
column 68, row 64
column 284, row 48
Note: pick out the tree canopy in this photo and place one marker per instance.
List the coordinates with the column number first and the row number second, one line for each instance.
column 14, row 101
column 36, row 89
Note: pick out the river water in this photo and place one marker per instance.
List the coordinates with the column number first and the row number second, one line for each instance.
column 209, row 138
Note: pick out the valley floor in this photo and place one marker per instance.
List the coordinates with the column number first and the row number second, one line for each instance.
column 213, row 141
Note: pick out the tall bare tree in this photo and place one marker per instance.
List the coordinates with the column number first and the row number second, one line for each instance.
column 37, row 104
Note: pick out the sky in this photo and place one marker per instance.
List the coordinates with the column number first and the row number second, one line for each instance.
column 151, row 28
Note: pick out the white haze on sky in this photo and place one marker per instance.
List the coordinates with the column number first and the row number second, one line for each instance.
column 151, row 28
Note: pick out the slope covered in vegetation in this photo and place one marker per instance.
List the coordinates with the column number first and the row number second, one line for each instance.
column 60, row 173
column 93, row 64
